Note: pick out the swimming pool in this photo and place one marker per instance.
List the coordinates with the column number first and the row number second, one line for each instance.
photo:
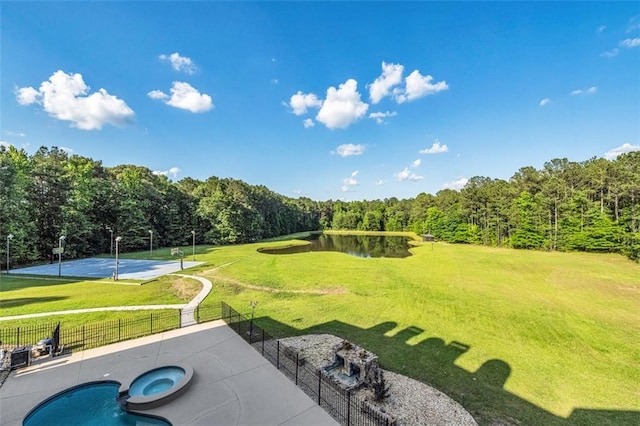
column 88, row 404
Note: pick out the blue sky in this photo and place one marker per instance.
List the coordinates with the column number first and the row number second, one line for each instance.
column 328, row 100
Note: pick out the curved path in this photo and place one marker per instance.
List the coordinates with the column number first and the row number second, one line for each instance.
column 187, row 316
column 188, row 309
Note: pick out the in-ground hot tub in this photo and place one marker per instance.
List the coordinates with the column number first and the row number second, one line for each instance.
column 155, row 387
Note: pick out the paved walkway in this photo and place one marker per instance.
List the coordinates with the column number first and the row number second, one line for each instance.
column 233, row 384
column 188, row 310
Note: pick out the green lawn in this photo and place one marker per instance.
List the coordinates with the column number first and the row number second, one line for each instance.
column 518, row 337
column 513, row 335
column 26, row 295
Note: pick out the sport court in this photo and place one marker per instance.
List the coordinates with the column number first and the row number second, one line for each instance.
column 101, row 267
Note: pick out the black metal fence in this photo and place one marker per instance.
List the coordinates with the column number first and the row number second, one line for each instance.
column 103, row 333
column 344, row 406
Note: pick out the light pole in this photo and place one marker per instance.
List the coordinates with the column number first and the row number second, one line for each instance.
column 150, row 243
column 60, row 240
column 9, row 238
column 115, row 275
column 111, row 246
column 193, row 234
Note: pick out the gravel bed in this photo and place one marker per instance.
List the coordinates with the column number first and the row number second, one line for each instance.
column 412, row 402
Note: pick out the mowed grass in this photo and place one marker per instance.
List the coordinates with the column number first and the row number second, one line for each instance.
column 513, row 335
column 517, row 337
column 25, row 295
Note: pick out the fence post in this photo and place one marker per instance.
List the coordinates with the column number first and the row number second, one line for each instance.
column 278, row 354
column 18, row 337
column 319, row 385
column 151, row 322
column 297, row 368
column 348, row 408
column 83, row 336
column 119, row 333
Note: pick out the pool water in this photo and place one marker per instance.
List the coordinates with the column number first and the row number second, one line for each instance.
column 89, row 404
column 156, row 381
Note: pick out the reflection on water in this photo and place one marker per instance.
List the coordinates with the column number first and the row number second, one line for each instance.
column 354, row 245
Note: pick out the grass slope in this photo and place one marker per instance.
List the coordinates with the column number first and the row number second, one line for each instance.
column 518, row 337
column 513, row 335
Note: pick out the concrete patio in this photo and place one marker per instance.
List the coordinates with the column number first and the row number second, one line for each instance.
column 233, row 384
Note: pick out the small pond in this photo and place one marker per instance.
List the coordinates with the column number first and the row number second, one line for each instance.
column 354, row 245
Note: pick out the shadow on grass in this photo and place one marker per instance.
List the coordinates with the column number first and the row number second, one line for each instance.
column 22, row 301
column 432, row 360
column 22, row 281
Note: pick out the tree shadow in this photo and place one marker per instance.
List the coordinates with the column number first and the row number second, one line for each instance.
column 22, row 301
column 432, row 361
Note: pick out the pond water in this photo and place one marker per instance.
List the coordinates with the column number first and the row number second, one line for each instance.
column 354, row 245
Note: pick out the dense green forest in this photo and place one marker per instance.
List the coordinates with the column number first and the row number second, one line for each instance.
column 589, row 206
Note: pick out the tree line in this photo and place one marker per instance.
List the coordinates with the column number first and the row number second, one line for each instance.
column 568, row 206
column 588, row 206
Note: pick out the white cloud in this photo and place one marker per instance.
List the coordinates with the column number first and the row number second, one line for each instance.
column 418, row 86
column 590, row 91
column 436, row 148
column 610, row 53
column 379, row 183
column 64, row 97
column 27, row 95
column 622, row 149
column 416, row 163
column 184, row 96
column 407, row 175
column 157, row 94
column 307, row 123
column 173, row 172
column 275, row 81
column 350, row 149
column 5, row 144
column 350, row 182
column 631, row 42
column 301, row 102
column 380, row 116
column 65, row 149
column 381, row 87
column 297, row 191
column 180, row 63
column 343, row 106
column 601, row 28
column 15, row 134
column 456, row 184
column 544, row 102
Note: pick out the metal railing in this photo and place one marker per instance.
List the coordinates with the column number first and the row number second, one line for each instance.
column 106, row 332
column 345, row 407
